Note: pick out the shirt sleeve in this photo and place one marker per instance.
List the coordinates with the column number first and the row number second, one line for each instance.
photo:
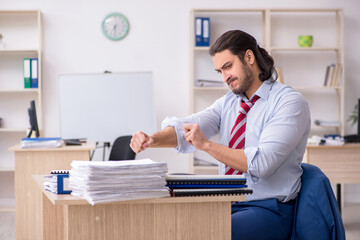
column 208, row 120
column 285, row 128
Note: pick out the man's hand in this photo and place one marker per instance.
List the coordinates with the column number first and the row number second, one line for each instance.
column 140, row 141
column 195, row 136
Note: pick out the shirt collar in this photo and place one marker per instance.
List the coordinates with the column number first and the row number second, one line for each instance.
column 262, row 92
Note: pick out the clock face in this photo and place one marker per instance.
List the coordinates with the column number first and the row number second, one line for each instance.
column 115, row 26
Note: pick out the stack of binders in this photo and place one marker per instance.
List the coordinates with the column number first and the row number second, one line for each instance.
column 31, row 77
column 202, row 31
column 206, row 185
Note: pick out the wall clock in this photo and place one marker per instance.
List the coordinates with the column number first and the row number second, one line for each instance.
column 115, row 26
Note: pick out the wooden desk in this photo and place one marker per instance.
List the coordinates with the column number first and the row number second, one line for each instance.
column 68, row 217
column 341, row 164
column 28, row 197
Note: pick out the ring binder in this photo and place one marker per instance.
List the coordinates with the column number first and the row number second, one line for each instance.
column 59, row 172
column 58, row 183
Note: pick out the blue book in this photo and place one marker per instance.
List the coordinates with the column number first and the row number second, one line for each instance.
column 206, row 31
column 41, row 139
column 58, row 183
column 198, row 32
column 41, row 143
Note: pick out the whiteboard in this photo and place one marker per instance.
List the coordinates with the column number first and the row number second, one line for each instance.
column 102, row 107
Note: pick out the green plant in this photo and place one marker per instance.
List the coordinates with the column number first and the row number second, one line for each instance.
column 353, row 118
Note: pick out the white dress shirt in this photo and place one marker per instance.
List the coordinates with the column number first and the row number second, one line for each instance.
column 276, row 134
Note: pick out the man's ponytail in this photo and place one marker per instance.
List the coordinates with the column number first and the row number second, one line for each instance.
column 266, row 64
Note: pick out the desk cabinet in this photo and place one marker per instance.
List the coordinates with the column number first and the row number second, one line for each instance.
column 341, row 164
column 29, row 215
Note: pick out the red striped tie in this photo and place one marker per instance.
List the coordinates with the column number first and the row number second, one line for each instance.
column 237, row 135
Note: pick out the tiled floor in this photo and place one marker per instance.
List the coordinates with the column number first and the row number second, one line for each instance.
column 351, row 219
column 7, row 225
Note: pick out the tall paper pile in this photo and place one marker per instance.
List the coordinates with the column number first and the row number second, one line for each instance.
column 102, row 182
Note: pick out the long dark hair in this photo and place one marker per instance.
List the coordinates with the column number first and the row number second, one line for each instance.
column 238, row 42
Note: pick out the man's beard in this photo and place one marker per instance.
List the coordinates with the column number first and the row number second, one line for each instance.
column 246, row 81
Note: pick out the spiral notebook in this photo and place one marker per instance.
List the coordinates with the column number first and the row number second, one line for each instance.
column 206, row 185
column 59, row 171
column 209, row 192
column 202, row 185
column 208, row 180
column 57, row 183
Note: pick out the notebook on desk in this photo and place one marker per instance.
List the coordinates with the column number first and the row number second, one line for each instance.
column 57, row 183
column 74, row 141
column 206, row 179
column 209, row 192
column 206, row 185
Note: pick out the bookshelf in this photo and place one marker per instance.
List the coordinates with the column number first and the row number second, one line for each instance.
column 21, row 31
column 302, row 68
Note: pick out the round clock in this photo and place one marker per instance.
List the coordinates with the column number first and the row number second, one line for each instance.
column 115, row 26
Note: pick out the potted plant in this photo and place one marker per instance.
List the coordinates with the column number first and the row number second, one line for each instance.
column 353, row 118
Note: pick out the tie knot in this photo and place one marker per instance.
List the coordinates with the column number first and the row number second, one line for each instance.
column 245, row 106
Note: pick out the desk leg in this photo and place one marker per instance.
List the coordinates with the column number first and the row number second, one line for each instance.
column 338, row 195
column 55, row 225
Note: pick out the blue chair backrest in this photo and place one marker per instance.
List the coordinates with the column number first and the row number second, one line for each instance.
column 317, row 214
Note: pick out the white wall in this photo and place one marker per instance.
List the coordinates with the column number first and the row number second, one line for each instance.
column 159, row 42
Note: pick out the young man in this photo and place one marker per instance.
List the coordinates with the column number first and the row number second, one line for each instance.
column 277, row 123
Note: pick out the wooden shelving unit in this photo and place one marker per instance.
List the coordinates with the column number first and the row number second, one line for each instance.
column 22, row 37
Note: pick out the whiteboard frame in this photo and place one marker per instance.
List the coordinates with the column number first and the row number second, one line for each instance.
column 104, row 106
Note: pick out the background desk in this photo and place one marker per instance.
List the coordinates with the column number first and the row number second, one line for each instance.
column 29, row 216
column 341, row 164
column 68, row 217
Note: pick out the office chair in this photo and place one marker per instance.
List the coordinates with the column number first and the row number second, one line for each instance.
column 317, row 214
column 121, row 149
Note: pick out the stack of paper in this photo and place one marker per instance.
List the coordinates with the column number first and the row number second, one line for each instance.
column 327, row 123
column 209, row 83
column 101, row 182
column 41, row 143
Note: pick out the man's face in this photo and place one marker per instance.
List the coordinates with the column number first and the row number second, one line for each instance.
column 237, row 75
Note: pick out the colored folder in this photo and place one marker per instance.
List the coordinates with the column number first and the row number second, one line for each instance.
column 198, row 32
column 206, row 31
column 27, row 73
column 34, row 73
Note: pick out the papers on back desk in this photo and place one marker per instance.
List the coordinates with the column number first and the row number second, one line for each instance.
column 100, row 182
